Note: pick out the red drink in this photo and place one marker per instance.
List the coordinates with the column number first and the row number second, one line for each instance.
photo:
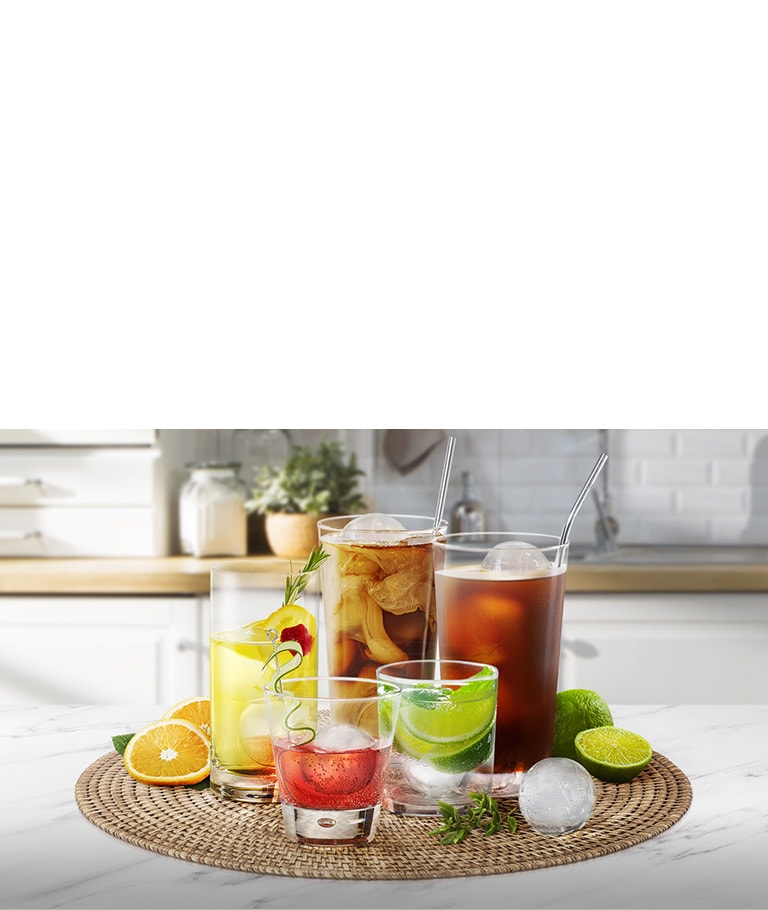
column 515, row 624
column 316, row 778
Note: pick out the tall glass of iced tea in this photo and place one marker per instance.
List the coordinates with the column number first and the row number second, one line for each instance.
column 500, row 601
column 378, row 591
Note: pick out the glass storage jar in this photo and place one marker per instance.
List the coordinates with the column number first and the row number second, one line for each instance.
column 212, row 516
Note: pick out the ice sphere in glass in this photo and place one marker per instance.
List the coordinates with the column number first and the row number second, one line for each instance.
column 557, row 796
column 516, row 556
column 373, row 528
column 342, row 738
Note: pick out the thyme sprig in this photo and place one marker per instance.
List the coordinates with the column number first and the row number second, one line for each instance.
column 295, row 584
column 484, row 814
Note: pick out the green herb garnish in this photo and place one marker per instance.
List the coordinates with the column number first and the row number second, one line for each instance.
column 121, row 741
column 484, row 814
column 295, row 584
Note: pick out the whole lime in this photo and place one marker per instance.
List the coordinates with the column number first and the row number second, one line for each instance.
column 577, row 710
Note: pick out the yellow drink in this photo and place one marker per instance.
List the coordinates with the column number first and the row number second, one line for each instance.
column 242, row 763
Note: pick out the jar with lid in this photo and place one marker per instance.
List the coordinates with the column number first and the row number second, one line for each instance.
column 212, row 516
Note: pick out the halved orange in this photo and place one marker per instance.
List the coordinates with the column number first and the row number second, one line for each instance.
column 169, row 752
column 196, row 710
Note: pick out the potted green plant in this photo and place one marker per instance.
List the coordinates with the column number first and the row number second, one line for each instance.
column 311, row 484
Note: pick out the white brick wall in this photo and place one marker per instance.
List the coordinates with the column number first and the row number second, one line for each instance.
column 667, row 486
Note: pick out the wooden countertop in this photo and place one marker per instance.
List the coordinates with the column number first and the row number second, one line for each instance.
column 185, row 575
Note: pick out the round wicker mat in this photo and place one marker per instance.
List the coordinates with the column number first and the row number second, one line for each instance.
column 197, row 826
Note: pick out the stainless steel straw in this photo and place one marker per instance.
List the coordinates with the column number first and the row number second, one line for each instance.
column 444, row 481
column 580, row 499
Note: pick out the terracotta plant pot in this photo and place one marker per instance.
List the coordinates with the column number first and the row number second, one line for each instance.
column 291, row 535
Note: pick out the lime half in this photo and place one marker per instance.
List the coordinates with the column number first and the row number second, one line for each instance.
column 613, row 754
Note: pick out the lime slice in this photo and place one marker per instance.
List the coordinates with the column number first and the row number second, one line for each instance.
column 612, row 754
column 577, row 710
column 453, row 729
column 469, row 756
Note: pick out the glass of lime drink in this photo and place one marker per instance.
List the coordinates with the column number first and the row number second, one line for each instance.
column 444, row 740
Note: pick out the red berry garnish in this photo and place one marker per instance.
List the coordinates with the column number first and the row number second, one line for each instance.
column 300, row 634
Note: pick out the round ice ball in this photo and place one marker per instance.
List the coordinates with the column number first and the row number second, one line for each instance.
column 557, row 796
column 516, row 556
column 374, row 527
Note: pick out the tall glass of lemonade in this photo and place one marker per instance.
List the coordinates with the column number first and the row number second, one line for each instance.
column 500, row 601
column 252, row 614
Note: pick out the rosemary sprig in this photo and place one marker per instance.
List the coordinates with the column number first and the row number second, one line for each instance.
column 295, row 584
column 484, row 814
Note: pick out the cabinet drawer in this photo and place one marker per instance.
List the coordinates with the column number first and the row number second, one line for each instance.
column 74, row 477
column 67, row 437
column 80, row 531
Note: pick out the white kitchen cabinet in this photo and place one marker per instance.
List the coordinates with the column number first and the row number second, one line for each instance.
column 101, row 650
column 59, row 500
column 663, row 648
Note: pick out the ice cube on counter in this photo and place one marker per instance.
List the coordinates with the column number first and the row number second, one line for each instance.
column 557, row 796
column 516, row 556
column 374, row 527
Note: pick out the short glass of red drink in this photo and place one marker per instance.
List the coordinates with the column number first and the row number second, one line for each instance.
column 331, row 750
column 499, row 599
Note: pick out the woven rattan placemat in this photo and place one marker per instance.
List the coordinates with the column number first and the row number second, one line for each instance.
column 197, row 826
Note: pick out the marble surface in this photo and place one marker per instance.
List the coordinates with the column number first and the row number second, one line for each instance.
column 51, row 856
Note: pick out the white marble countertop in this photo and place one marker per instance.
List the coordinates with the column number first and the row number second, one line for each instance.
column 51, row 856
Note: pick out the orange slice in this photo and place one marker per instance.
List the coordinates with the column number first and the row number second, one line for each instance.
column 169, row 752
column 196, row 710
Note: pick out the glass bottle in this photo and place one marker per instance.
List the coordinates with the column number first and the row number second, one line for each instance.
column 212, row 516
column 467, row 514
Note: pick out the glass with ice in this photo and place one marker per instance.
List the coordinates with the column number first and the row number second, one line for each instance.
column 444, row 739
column 331, row 752
column 499, row 599
column 378, row 590
column 247, row 619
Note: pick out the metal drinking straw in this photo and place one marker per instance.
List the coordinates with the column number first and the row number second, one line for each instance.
column 579, row 500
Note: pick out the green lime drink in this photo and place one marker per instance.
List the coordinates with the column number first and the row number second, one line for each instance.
column 445, row 735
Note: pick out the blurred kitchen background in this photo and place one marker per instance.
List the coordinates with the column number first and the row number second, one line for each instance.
column 692, row 631
column 660, row 486
column 664, row 485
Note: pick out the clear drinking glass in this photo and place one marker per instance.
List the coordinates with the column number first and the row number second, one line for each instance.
column 331, row 753
column 378, row 591
column 500, row 601
column 445, row 734
column 247, row 617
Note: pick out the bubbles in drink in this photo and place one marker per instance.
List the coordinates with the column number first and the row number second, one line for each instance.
column 518, row 557
column 342, row 738
column 557, row 796
column 374, row 527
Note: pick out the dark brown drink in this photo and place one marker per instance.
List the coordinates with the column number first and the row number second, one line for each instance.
column 512, row 620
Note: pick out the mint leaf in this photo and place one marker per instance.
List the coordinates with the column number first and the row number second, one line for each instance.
column 203, row 785
column 121, row 741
